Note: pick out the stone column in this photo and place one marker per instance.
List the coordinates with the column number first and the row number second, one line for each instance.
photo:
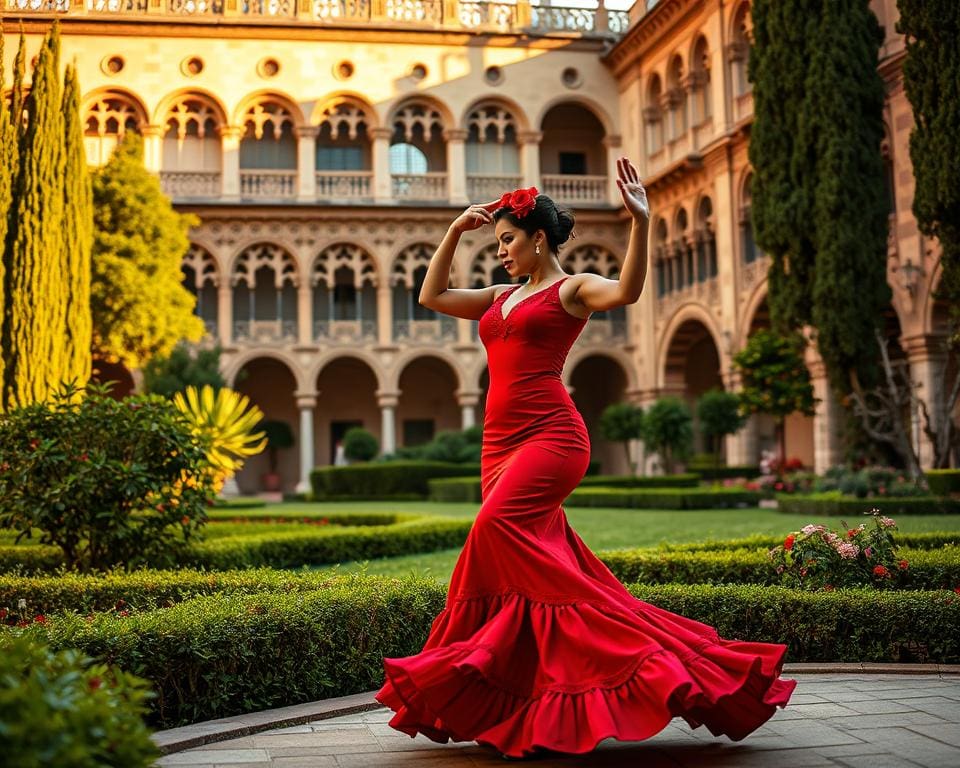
column 456, row 165
column 306, row 402
column 225, row 312
column 388, row 420
column 382, row 186
column 530, row 157
column 827, row 422
column 612, row 144
column 304, row 314
column 927, row 356
column 230, row 136
column 384, row 315
column 307, row 162
column 468, row 399
column 153, row 147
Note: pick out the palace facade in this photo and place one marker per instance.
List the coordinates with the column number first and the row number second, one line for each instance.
column 326, row 145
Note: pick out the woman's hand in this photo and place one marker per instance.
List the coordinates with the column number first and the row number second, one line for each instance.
column 632, row 191
column 475, row 216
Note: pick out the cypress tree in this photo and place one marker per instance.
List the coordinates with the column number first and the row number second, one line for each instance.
column 78, row 236
column 931, row 78
column 844, row 112
column 781, row 153
column 7, row 160
column 32, row 366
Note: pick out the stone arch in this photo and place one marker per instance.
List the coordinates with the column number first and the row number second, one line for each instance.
column 326, row 109
column 617, row 354
column 408, row 255
column 687, row 313
column 242, row 358
column 103, row 104
column 326, row 357
column 392, row 377
column 340, row 254
column 271, row 254
column 265, row 96
column 442, row 113
column 592, row 257
column 593, row 106
column 428, row 382
column 756, row 314
column 503, row 102
column 598, row 381
column 347, row 383
column 485, row 268
column 170, row 102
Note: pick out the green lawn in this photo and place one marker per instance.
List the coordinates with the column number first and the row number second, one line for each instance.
column 603, row 528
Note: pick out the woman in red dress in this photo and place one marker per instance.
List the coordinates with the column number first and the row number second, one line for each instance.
column 539, row 646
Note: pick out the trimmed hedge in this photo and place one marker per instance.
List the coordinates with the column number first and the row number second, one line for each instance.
column 206, row 656
column 467, row 489
column 388, row 479
column 708, row 472
column 408, row 534
column 834, row 503
column 943, row 482
column 929, row 569
column 663, row 498
column 925, row 540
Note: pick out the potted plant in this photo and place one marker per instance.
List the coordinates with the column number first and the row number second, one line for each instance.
column 279, row 436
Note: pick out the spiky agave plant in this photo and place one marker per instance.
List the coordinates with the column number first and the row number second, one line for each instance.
column 228, row 419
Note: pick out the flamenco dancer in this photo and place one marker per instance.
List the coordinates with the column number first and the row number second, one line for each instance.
column 540, row 648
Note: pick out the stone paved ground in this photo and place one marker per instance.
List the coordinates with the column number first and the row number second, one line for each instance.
column 852, row 720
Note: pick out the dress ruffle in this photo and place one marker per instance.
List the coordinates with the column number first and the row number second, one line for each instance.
column 508, row 683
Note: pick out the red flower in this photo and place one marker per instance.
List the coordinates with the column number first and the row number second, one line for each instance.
column 879, row 570
column 3, row 613
column 788, row 542
column 957, row 590
column 520, row 201
column 120, row 603
column 34, row 443
column 778, row 486
column 852, row 532
column 123, row 613
column 40, row 619
column 903, row 565
column 828, row 587
column 84, row 456
column 95, row 682
column 185, row 520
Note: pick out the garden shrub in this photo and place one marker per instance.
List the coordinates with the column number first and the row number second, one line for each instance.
column 836, row 503
column 467, row 489
column 63, row 709
column 663, row 498
column 943, row 482
column 389, row 479
column 109, row 482
column 205, row 656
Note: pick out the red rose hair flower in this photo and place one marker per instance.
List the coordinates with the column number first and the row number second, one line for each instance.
column 520, row 201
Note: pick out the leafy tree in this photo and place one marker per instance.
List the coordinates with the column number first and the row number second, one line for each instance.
column 775, row 380
column 140, row 307
column 360, row 444
column 34, row 348
column 185, row 366
column 621, row 423
column 845, row 106
column 719, row 415
column 932, row 84
column 668, row 429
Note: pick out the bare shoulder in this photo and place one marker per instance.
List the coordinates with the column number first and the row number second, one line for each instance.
column 568, row 294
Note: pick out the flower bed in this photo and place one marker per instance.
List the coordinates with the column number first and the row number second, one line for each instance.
column 205, row 656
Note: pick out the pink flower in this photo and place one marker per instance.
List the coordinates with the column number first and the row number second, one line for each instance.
column 886, row 522
column 848, row 550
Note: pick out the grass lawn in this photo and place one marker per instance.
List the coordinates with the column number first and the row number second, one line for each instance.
column 599, row 528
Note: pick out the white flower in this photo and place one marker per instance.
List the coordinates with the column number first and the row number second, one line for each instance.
column 21, row 603
column 886, row 522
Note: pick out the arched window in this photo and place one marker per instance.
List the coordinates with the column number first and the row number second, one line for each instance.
column 653, row 115
column 264, row 283
column 661, row 258
column 676, row 99
column 105, row 121
column 739, row 50
column 492, row 153
column 748, row 247
column 700, row 82
column 268, row 138
column 706, row 241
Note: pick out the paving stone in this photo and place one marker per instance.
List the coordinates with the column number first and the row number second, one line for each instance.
column 210, row 757
column 892, row 719
column 824, row 710
column 876, row 761
column 948, row 734
column 941, row 706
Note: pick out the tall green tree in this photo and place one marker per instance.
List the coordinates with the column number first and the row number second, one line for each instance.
column 78, row 236
column 668, row 429
column 34, row 357
column 781, row 151
column 8, row 155
column 931, row 78
column 719, row 415
column 140, row 307
column 185, row 366
column 621, row 423
column 775, row 380
column 844, row 108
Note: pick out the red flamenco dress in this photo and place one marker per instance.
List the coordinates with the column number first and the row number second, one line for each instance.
column 539, row 645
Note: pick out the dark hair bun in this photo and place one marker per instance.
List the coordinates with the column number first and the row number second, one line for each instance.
column 565, row 223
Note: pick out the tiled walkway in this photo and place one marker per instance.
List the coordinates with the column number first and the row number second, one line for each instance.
column 854, row 720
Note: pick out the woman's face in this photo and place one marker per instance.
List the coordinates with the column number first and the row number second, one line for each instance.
column 516, row 249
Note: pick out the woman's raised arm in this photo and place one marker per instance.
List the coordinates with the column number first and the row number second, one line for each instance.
column 470, row 303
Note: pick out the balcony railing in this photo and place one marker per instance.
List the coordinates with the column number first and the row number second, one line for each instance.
column 706, row 292
column 576, row 189
column 466, row 14
column 264, row 331
column 603, row 330
column 420, row 186
column 425, row 331
column 181, row 184
column 344, row 185
column 490, row 187
column 344, row 331
column 268, row 184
